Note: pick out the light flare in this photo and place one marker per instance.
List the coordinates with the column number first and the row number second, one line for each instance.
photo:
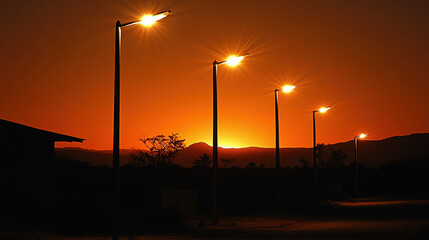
column 288, row 88
column 149, row 19
column 324, row 109
column 234, row 60
column 363, row 135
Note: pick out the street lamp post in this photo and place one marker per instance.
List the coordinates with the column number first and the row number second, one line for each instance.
column 356, row 157
column 215, row 142
column 286, row 89
column 146, row 20
column 231, row 61
column 321, row 110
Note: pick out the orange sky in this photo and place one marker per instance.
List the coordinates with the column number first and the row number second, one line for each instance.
column 370, row 59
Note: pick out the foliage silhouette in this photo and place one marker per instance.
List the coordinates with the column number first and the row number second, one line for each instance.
column 304, row 162
column 162, row 151
column 329, row 157
column 251, row 165
column 227, row 162
column 203, row 161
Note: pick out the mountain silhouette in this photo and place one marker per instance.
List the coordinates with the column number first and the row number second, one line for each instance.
column 94, row 157
column 371, row 153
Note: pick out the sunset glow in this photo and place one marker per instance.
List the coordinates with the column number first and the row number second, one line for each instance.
column 63, row 80
column 116, row 121
column 229, row 147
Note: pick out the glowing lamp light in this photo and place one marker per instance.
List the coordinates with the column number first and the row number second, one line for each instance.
column 148, row 20
column 324, row 109
column 234, row 60
column 363, row 135
column 288, row 88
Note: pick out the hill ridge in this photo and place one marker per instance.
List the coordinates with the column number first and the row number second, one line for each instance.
column 371, row 152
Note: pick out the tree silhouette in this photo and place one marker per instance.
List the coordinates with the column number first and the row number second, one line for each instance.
column 202, row 161
column 304, row 162
column 227, row 162
column 162, row 150
column 139, row 157
column 329, row 157
column 251, row 165
column 337, row 158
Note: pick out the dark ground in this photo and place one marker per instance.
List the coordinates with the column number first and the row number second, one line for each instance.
column 66, row 199
column 371, row 218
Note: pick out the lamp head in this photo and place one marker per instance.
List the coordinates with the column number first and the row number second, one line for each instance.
column 234, row 60
column 149, row 19
column 288, row 88
column 363, row 135
column 324, row 109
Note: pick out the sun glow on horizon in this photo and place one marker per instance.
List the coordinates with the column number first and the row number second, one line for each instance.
column 229, row 147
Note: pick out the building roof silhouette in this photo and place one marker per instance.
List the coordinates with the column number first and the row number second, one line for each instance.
column 10, row 129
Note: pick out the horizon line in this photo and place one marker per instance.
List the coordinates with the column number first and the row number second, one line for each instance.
column 364, row 140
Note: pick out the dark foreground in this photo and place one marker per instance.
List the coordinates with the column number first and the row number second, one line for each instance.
column 374, row 218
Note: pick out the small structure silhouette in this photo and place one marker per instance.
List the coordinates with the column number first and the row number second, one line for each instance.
column 20, row 143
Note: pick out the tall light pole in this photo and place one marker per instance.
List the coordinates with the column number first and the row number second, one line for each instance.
column 286, row 89
column 320, row 110
column 146, row 20
column 356, row 165
column 231, row 61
